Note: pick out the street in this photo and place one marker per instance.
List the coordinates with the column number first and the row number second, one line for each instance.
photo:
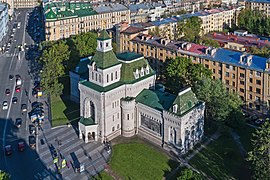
column 26, row 164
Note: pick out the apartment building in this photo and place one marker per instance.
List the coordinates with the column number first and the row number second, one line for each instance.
column 145, row 12
column 3, row 21
column 238, row 43
column 212, row 20
column 18, row 4
column 261, row 5
column 70, row 18
column 243, row 73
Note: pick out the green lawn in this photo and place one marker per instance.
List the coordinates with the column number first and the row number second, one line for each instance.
column 63, row 111
column 103, row 176
column 221, row 159
column 136, row 160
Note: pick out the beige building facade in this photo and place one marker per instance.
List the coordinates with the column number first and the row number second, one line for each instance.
column 243, row 73
column 261, row 5
column 63, row 20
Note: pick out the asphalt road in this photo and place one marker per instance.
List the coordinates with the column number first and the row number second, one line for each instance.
column 21, row 165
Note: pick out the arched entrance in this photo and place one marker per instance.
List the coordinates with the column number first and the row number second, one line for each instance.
column 92, row 110
column 91, row 136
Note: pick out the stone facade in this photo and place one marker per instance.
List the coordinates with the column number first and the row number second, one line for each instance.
column 120, row 98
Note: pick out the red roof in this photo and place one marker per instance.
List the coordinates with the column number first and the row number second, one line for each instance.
column 197, row 48
column 244, row 40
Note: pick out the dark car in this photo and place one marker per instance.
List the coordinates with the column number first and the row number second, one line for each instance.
column 24, row 107
column 8, row 150
column 32, row 129
column 7, row 91
column 21, row 146
column 11, row 77
column 18, row 122
column 37, row 104
column 17, row 76
column 14, row 100
column 32, row 142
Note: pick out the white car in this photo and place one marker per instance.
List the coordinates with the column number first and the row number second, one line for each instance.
column 5, row 105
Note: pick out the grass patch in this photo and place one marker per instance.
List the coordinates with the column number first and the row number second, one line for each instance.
column 136, row 160
column 103, row 176
column 64, row 111
column 221, row 159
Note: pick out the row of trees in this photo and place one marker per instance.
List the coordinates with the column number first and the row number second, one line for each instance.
column 221, row 105
column 4, row 175
column 254, row 21
column 61, row 56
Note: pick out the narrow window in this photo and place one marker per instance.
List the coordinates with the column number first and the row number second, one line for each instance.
column 127, row 116
column 111, row 76
column 116, row 75
column 107, row 77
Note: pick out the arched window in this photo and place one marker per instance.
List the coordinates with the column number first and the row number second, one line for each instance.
column 127, row 116
column 111, row 76
column 100, row 78
column 92, row 75
column 115, row 74
column 118, row 126
column 107, row 77
column 112, row 129
column 96, row 76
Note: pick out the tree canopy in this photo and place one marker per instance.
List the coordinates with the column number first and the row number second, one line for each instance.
column 188, row 174
column 4, row 175
column 264, row 51
column 254, row 21
column 260, row 155
column 61, row 56
column 182, row 72
column 220, row 103
column 190, row 28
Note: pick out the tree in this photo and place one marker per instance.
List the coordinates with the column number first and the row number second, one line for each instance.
column 260, row 154
column 219, row 102
column 264, row 51
column 54, row 60
column 190, row 28
column 208, row 42
column 4, row 175
column 254, row 21
column 182, row 72
column 188, row 174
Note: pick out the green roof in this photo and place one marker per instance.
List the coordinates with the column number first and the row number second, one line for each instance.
column 87, row 121
column 103, row 35
column 185, row 102
column 57, row 10
column 156, row 99
column 128, row 69
column 112, row 86
column 165, row 101
column 128, row 56
column 105, row 60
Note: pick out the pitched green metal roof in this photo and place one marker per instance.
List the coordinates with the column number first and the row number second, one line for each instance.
column 156, row 99
column 128, row 56
column 51, row 15
column 105, row 60
column 128, row 69
column 185, row 102
column 103, row 35
column 87, row 121
column 67, row 10
column 112, row 86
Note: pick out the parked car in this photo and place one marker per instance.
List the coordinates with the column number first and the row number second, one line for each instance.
column 8, row 150
column 24, row 108
column 18, row 122
column 21, row 146
column 32, row 142
column 37, row 104
column 5, row 105
column 7, row 92
column 11, row 77
column 32, row 129
column 18, row 89
column 14, row 100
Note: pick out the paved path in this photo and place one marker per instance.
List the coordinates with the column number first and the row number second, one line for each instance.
column 236, row 138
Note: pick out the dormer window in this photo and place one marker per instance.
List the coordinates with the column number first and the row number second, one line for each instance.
column 147, row 69
column 175, row 106
column 136, row 74
column 142, row 72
